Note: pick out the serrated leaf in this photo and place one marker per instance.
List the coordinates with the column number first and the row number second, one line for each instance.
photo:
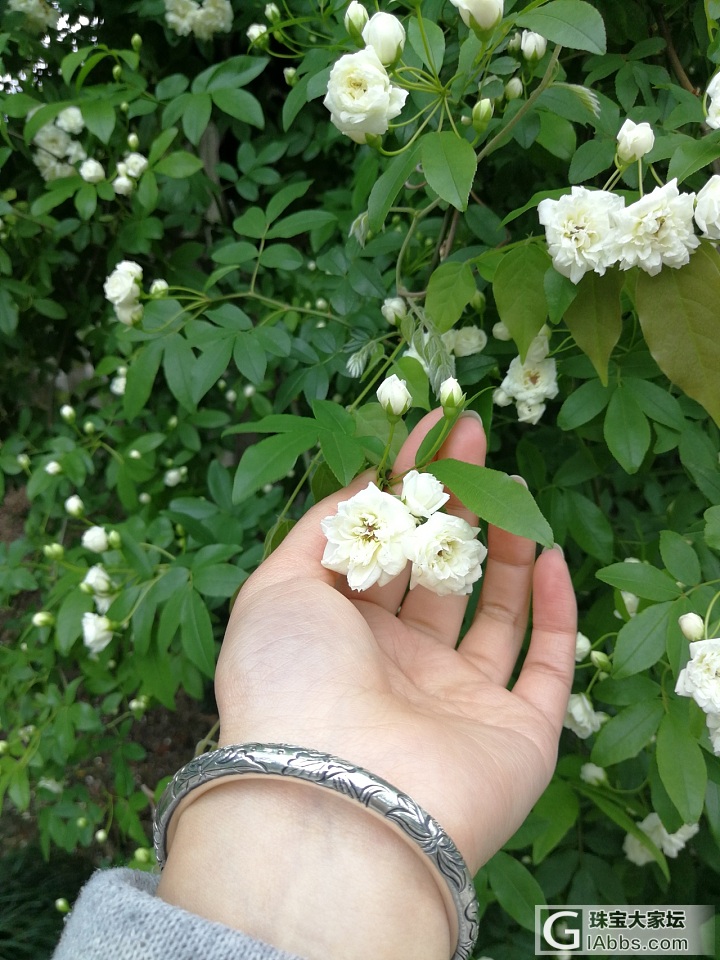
column 625, row 735
column 572, row 23
column 678, row 314
column 594, row 318
column 680, row 560
column 681, row 764
column 239, row 104
column 494, row 497
column 517, row 891
column 626, row 430
column 641, row 579
column 449, row 164
column 519, row 291
column 268, row 461
column 641, row 641
column 583, row 404
column 450, row 289
column 196, row 633
column 388, row 186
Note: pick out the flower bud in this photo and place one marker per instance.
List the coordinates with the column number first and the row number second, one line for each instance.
column 135, row 454
column 533, row 46
column 593, row 774
column 133, row 141
column 54, row 551
column 4, row 747
column 124, row 106
column 321, row 304
column 101, row 836
column 61, row 905
column 249, row 390
column 43, row 618
column 89, row 427
column 513, row 88
column 158, row 288
column 582, row 647
column 117, row 72
column 356, row 17
column 81, row 823
column 386, row 35
column 692, row 626
column 515, row 42
column 272, row 12
column 634, row 141
column 53, row 468
column 257, row 34
column 136, row 42
column 479, row 301
column 482, row 114
column 451, row 395
column 95, row 539
column 394, row 397
column 500, row 331
column 74, row 506
column 600, row 660
column 290, row 75
column 67, row 413
column 172, row 423
column 144, row 498
column 359, row 228
column 114, row 539
column 231, row 396
column 482, row 16
column 143, row 855
column 394, row 309
column 23, row 461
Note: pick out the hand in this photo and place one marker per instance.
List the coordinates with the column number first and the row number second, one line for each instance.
column 377, row 678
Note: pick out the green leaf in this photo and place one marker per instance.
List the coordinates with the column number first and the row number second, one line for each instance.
column 294, row 102
column 269, row 460
column 572, row 23
column 281, row 256
column 141, row 377
column 680, row 560
column 693, row 155
column 626, row 430
column 449, row 164
column 711, row 532
column 239, row 104
column 656, row 403
column 218, row 579
column 283, row 198
column 196, row 633
column 68, row 625
column 99, row 117
column 681, row 764
column 383, row 194
column 589, row 526
column 698, row 455
column 594, row 318
column 641, row 641
column 517, row 891
column 210, row 366
column 494, row 497
column 235, row 253
column 559, row 293
column 590, row 159
column 86, row 201
column 432, row 55
column 625, row 735
column 618, row 816
column 179, row 165
column 559, row 807
column 641, row 579
column 197, row 109
column 681, row 324
column 519, row 290
column 449, row 291
column 178, row 363
column 161, row 144
column 8, row 313
column 584, row 404
column 249, row 356
column 277, row 533
column 344, row 455
column 301, row 222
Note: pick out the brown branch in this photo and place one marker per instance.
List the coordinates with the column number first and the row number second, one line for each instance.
column 674, row 59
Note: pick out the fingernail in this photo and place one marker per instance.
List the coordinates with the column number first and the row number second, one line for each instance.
column 555, row 546
column 518, row 479
column 471, row 414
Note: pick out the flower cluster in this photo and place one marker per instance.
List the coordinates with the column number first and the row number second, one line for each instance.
column 531, row 383
column 129, row 172
column 56, row 149
column 202, row 20
column 39, row 15
column 593, row 230
column 122, row 289
column 374, row 535
column 700, row 679
column 670, row 843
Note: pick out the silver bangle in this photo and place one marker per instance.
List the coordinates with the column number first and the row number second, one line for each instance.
column 351, row 782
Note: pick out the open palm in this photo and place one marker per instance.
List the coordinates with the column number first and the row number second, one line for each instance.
column 375, row 678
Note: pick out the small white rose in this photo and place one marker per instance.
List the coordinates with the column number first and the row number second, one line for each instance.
column 446, row 556
column 423, row 494
column 123, row 186
column 74, row 506
column 700, row 678
column 451, row 394
column 133, row 141
column 53, row 468
column 707, row 208
column 172, row 477
column 257, row 34
column 482, row 15
column 97, row 582
column 92, row 171
column 634, row 141
column 67, row 413
column 97, row 631
column 356, row 16
column 581, row 718
column 582, row 647
column 593, row 774
column 70, row 120
column 118, row 385
column 136, row 165
column 393, row 309
column 394, row 396
column 95, row 539
column 158, row 288
column 513, row 88
column 360, row 97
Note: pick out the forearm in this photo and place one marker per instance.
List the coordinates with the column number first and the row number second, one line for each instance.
column 307, row 872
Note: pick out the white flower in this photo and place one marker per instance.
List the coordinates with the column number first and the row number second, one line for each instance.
column 393, row 309
column 692, row 626
column 95, row 539
column 39, row 14
column 97, row 582
column 670, row 843
column 175, row 476
column 133, row 141
column 290, row 74
column 532, row 381
column 256, row 32
column 423, row 494
column 70, row 120
column 67, row 413
column 360, row 97
column 74, row 506
column 654, row 231
column 593, row 774
column 481, row 14
column 97, row 631
column 578, row 228
column 581, row 718
column 451, row 394
column 75, row 152
column 118, row 385
column 465, row 341
column 123, row 186
column 446, row 557
column 366, row 538
column 50, row 168
column 700, row 678
column 215, row 16
column 707, row 208
column 501, row 332
column 634, row 141
column 394, row 396
column 136, row 165
column 713, row 725
column 582, row 647
column 529, row 411
column 180, row 15
column 532, row 45
column 128, row 313
column 53, row 468
column 713, row 110
column 356, row 16
column 92, row 171
column 52, row 140
column 386, row 35
column 501, row 399
column 122, row 285
column 158, row 288
column 272, row 11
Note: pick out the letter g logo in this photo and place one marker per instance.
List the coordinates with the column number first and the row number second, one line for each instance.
column 573, row 943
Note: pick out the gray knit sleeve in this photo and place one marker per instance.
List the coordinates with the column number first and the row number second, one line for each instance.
column 119, row 917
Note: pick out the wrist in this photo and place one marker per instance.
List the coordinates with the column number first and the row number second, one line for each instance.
column 306, row 871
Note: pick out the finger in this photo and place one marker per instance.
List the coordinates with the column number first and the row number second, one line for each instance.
column 546, row 678
column 441, row 617
column 493, row 641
